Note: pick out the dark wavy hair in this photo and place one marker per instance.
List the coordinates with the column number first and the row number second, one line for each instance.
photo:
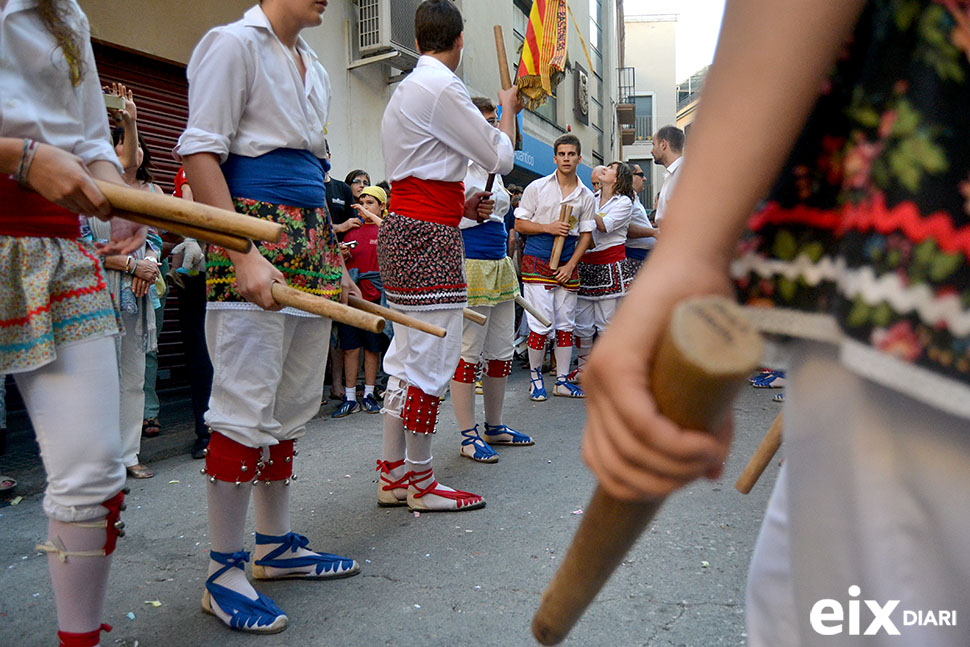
column 55, row 15
column 144, row 172
column 624, row 179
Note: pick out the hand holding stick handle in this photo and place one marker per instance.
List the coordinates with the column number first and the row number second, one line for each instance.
column 706, row 351
column 287, row 296
column 195, row 214
column 565, row 212
column 762, row 456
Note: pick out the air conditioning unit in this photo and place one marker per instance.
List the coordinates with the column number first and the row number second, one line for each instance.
column 385, row 32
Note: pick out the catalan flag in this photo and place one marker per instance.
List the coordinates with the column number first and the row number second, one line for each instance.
column 541, row 67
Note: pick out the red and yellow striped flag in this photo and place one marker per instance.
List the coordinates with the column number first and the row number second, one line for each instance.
column 543, row 52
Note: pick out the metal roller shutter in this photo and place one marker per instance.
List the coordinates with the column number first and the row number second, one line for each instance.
column 161, row 94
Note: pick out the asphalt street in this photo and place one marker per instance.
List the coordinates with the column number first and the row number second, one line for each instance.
column 471, row 578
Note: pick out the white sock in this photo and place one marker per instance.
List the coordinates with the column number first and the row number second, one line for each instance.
column 536, row 357
column 79, row 583
column 564, row 356
column 463, row 402
column 350, row 394
column 227, row 529
column 368, row 390
column 494, row 388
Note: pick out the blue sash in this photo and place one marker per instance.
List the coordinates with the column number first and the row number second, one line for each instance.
column 487, row 241
column 285, row 176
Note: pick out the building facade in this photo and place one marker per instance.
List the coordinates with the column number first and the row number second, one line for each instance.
column 651, row 50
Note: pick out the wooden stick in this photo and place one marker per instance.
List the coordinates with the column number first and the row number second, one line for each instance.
column 396, row 317
column 704, row 356
column 761, row 458
column 228, row 241
column 287, row 296
column 196, row 214
column 531, row 309
column 474, row 317
column 565, row 212
column 506, row 80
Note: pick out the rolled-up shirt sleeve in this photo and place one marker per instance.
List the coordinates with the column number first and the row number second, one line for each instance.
column 619, row 215
column 461, row 126
column 96, row 143
column 219, row 79
column 587, row 216
column 527, row 204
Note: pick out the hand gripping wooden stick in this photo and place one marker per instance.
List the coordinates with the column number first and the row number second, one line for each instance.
column 565, row 212
column 704, row 356
column 506, row 80
column 762, row 456
column 287, row 296
column 195, row 214
column 396, row 317
column 531, row 309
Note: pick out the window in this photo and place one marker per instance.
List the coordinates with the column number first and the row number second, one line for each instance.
column 595, row 11
column 644, row 117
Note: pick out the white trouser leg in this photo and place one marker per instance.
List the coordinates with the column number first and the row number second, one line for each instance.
column 132, row 363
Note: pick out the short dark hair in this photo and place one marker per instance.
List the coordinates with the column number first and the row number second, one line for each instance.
column 567, row 140
column 437, row 25
column 484, row 104
column 674, row 136
column 514, row 188
column 144, row 172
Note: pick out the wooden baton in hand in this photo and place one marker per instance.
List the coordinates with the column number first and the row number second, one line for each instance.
column 703, row 358
column 287, row 296
column 203, row 217
column 565, row 212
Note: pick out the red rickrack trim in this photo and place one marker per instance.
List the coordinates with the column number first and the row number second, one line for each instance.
column 872, row 215
column 462, row 498
column 87, row 639
column 564, row 338
column 906, row 218
column 63, row 296
column 420, row 414
column 536, row 341
column 113, row 525
column 227, row 460
column 465, row 373
column 279, row 467
column 498, row 368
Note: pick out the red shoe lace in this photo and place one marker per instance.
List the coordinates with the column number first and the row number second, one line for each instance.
column 463, row 498
column 385, row 467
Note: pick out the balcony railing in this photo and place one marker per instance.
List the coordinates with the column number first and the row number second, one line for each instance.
column 627, row 84
column 644, row 128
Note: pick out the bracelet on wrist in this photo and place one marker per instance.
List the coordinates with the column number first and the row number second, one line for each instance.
column 26, row 159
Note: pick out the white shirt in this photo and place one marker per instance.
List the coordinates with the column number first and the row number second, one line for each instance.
column 37, row 98
column 541, row 201
column 475, row 181
column 246, row 95
column 670, row 179
column 431, row 129
column 616, row 214
column 640, row 218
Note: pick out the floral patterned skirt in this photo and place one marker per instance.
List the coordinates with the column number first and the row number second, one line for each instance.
column 306, row 254
column 53, row 293
column 422, row 264
column 491, row 282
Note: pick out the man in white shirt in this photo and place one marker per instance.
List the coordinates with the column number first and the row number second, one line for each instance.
column 255, row 143
column 641, row 235
column 492, row 288
column 430, row 131
column 553, row 292
column 668, row 151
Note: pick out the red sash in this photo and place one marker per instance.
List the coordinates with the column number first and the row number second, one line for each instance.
column 429, row 200
column 606, row 256
column 26, row 214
